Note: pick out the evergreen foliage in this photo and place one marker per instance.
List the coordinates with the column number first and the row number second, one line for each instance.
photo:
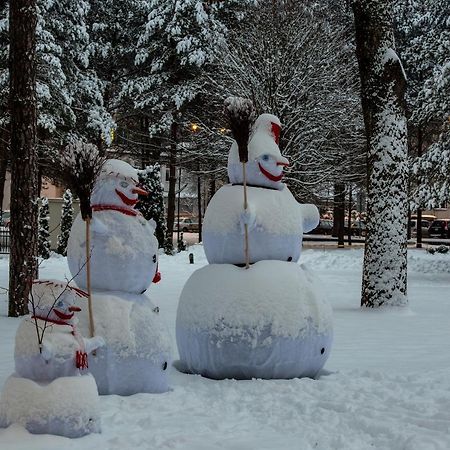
column 66, row 223
column 152, row 205
column 69, row 92
column 44, row 229
column 424, row 37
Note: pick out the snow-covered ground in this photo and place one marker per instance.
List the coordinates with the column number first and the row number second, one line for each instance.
column 386, row 384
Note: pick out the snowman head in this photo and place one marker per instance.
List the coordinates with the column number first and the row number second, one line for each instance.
column 265, row 163
column 54, row 301
column 117, row 185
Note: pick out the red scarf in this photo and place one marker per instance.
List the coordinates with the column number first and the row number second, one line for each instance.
column 126, row 211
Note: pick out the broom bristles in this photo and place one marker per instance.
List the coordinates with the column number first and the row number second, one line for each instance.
column 240, row 114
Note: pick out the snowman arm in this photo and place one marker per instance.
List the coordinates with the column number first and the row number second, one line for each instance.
column 46, row 351
column 247, row 217
column 311, row 217
column 93, row 343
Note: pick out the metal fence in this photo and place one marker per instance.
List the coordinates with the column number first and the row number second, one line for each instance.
column 4, row 240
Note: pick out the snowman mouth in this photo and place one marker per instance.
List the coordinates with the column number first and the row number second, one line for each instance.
column 63, row 316
column 125, row 199
column 269, row 175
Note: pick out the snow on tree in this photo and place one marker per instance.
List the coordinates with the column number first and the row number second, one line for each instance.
column 44, row 229
column 174, row 45
column 383, row 86
column 295, row 60
column 424, row 41
column 432, row 172
column 152, row 205
column 66, row 223
column 69, row 94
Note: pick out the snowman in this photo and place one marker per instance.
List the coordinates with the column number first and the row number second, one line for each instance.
column 124, row 262
column 270, row 321
column 51, row 390
column 124, row 249
column 276, row 221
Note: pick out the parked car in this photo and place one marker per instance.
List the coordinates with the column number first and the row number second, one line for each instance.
column 5, row 218
column 359, row 228
column 187, row 224
column 325, row 227
column 425, row 226
column 440, row 228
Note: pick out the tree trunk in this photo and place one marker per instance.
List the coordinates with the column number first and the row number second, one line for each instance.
column 339, row 213
column 383, row 85
column 199, row 204
column 4, row 155
column 24, row 183
column 349, row 221
column 419, row 210
column 172, row 187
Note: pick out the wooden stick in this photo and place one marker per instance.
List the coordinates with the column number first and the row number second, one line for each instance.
column 246, row 249
column 88, row 278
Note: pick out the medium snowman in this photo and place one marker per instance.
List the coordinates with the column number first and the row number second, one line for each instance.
column 124, row 262
column 267, row 320
column 51, row 390
column 275, row 220
column 124, row 248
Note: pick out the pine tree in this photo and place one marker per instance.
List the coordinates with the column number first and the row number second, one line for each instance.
column 69, row 93
column 424, row 38
column 383, row 86
column 44, row 229
column 66, row 223
column 152, row 205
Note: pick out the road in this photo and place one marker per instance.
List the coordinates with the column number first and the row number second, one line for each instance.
column 319, row 240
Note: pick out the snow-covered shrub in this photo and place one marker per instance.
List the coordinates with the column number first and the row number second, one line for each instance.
column 66, row 222
column 44, row 229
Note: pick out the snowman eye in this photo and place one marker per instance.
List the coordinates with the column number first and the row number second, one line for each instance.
column 124, row 184
column 59, row 303
column 265, row 157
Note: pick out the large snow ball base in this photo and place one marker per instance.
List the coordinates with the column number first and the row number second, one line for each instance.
column 137, row 353
column 67, row 406
column 263, row 322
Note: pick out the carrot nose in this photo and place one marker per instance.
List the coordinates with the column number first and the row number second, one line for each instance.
column 74, row 309
column 139, row 191
column 283, row 162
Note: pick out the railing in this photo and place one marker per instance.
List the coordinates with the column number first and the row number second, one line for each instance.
column 4, row 240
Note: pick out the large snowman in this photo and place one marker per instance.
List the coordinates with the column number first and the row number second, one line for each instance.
column 51, row 391
column 267, row 321
column 124, row 262
column 276, row 221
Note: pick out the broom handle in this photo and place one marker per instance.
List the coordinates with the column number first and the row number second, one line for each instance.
column 246, row 250
column 88, row 277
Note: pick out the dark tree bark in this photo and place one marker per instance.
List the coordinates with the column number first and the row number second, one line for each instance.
column 199, row 204
column 339, row 213
column 419, row 210
column 383, row 86
column 349, row 219
column 172, row 187
column 4, row 155
column 24, row 183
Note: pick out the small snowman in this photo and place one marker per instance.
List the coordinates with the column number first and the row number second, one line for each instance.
column 275, row 220
column 63, row 351
column 51, row 358
column 124, row 262
column 270, row 321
